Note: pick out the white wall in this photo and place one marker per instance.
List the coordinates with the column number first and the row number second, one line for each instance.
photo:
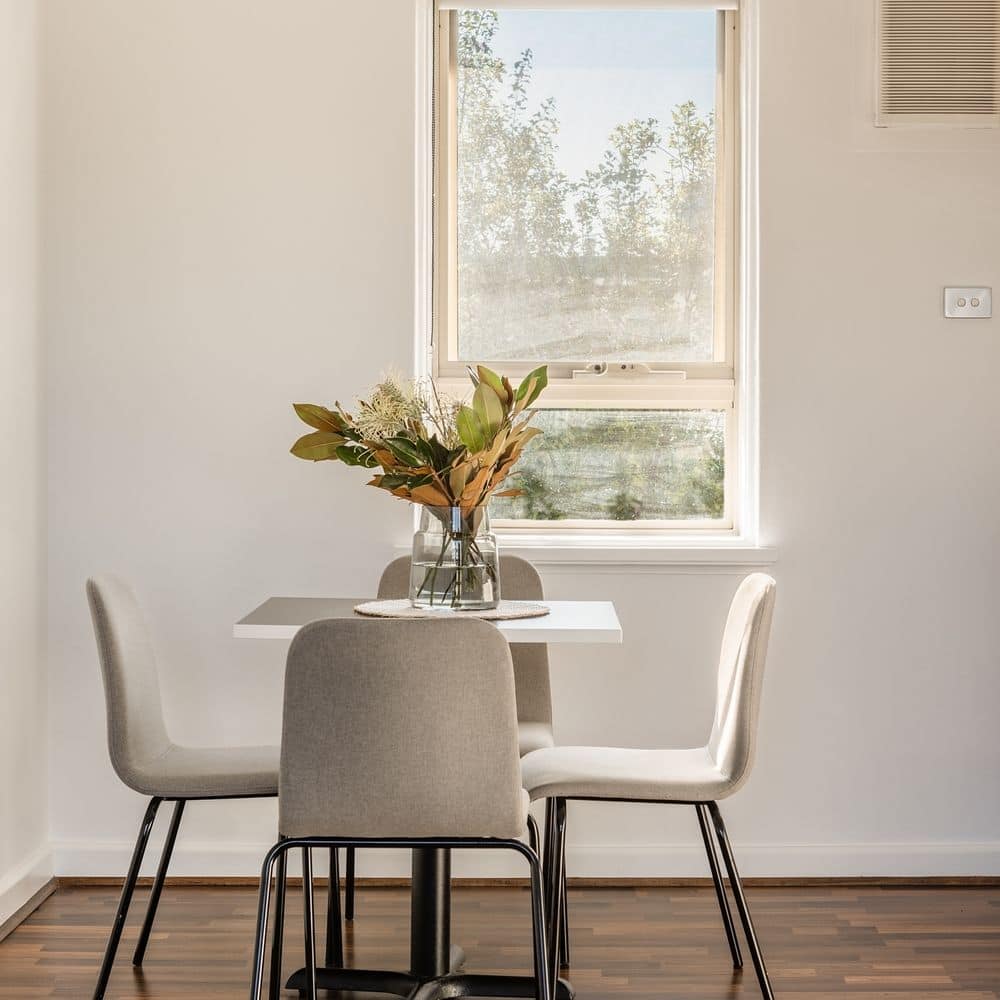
column 229, row 227
column 25, row 864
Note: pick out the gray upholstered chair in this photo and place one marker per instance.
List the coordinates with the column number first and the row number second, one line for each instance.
column 144, row 756
column 397, row 733
column 698, row 777
column 519, row 581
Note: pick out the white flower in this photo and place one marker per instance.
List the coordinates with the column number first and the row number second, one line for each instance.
column 386, row 412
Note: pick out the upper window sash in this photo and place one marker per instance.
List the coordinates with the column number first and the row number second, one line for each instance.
column 445, row 364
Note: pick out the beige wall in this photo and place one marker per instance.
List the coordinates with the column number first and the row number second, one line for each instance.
column 24, row 859
column 229, row 226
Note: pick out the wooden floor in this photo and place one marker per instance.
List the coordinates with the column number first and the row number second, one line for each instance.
column 864, row 943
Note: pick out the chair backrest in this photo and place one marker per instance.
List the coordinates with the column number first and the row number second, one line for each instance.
column 400, row 728
column 136, row 730
column 741, row 672
column 519, row 581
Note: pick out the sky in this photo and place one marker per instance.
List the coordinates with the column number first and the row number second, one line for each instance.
column 604, row 68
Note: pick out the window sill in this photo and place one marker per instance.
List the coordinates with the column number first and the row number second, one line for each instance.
column 611, row 551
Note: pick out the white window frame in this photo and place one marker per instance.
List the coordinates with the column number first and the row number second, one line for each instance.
column 727, row 383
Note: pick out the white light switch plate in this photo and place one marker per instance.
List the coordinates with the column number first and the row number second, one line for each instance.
column 968, row 303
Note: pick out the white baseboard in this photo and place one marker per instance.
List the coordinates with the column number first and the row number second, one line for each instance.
column 111, row 859
column 22, row 881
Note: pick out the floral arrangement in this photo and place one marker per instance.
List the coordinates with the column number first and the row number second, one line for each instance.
column 432, row 450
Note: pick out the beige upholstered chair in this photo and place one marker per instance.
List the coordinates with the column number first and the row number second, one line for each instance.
column 698, row 777
column 144, row 756
column 397, row 733
column 520, row 582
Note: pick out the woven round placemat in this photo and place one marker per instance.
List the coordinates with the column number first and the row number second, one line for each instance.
column 506, row 611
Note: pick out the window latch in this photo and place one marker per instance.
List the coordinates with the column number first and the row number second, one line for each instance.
column 630, row 370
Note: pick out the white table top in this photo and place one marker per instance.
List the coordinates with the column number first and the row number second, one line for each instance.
column 567, row 621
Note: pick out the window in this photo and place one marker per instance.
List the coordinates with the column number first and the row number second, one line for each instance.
column 585, row 218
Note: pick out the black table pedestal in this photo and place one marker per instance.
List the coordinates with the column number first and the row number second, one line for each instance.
column 434, row 964
column 430, row 914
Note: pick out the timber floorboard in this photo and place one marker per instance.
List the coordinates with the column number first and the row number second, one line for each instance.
column 865, row 943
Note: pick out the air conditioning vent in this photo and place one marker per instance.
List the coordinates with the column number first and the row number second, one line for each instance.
column 938, row 62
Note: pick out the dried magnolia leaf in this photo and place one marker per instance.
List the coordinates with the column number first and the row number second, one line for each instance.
column 474, row 490
column 430, row 496
column 318, row 446
column 457, row 479
column 318, row 416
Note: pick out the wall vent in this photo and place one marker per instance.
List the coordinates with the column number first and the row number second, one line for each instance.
column 938, row 62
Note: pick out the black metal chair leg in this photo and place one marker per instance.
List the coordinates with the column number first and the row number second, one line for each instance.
column 334, row 931
column 548, row 832
column 720, row 889
column 161, row 874
column 554, row 879
column 278, row 942
column 741, row 902
column 544, row 989
column 277, row 853
column 349, row 886
column 564, row 921
column 309, row 923
column 549, row 867
column 126, row 897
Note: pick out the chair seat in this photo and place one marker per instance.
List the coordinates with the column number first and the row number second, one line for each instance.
column 619, row 773
column 209, row 772
column 534, row 736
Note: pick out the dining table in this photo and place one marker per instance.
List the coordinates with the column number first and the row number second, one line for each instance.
column 435, row 971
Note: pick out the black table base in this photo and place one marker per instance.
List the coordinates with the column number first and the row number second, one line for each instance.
column 436, row 966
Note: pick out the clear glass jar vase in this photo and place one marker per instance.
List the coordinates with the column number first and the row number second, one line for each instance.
column 454, row 562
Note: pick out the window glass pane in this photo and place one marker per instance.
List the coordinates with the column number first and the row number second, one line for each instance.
column 586, row 185
column 621, row 465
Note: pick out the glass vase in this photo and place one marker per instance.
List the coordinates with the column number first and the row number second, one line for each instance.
column 454, row 563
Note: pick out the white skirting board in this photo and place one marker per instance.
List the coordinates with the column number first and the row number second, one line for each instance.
column 22, row 881
column 110, row 859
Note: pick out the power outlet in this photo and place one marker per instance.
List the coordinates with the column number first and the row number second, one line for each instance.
column 968, row 303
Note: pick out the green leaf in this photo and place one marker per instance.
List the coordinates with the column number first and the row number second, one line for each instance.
column 318, row 446
column 520, row 397
column 405, row 450
column 523, row 386
column 318, row 416
column 469, row 429
column 488, row 408
column 393, row 482
column 490, row 378
column 534, row 382
column 438, row 456
column 353, row 456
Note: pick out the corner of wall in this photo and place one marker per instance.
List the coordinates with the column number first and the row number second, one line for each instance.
column 25, row 855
